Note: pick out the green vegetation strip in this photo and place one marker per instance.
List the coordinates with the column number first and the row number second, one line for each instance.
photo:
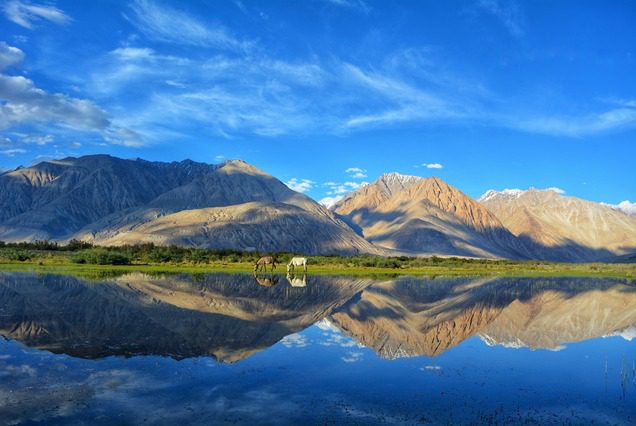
column 79, row 258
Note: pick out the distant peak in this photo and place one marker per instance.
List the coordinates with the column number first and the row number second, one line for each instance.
column 509, row 194
column 399, row 178
column 236, row 162
column 512, row 194
column 240, row 165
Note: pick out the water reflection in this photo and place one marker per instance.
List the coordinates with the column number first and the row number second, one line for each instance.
column 228, row 317
column 231, row 316
column 449, row 340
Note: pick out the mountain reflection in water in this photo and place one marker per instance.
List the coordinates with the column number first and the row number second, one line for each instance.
column 230, row 316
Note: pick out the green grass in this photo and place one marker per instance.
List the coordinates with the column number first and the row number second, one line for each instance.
column 61, row 265
column 79, row 258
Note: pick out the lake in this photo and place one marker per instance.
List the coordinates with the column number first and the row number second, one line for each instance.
column 232, row 349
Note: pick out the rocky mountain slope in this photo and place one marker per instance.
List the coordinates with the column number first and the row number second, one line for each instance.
column 109, row 200
column 112, row 201
column 427, row 216
column 228, row 317
column 552, row 317
column 409, row 317
column 565, row 228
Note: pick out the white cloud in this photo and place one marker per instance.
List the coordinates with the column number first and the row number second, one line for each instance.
column 38, row 139
column 343, row 188
column 356, row 172
column 294, row 341
column 173, row 26
column 9, row 55
column 12, row 152
column 432, row 165
column 219, row 158
column 329, row 202
column 352, row 357
column 555, row 189
column 22, row 103
column 626, row 207
column 300, row 185
column 26, row 14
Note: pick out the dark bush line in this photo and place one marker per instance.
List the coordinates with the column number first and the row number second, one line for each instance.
column 87, row 253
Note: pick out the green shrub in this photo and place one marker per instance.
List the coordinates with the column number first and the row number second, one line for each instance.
column 100, row 256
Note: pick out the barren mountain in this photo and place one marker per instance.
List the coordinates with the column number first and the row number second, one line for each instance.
column 427, row 216
column 553, row 317
column 229, row 317
column 410, row 317
column 113, row 201
column 566, row 228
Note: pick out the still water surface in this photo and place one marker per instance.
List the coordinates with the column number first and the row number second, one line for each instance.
column 229, row 349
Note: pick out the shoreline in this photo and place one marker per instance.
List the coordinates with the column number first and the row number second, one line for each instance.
column 509, row 269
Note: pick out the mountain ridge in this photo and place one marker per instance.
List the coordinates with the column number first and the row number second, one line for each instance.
column 104, row 199
column 234, row 205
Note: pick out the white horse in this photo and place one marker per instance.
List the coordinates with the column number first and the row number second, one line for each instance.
column 297, row 282
column 297, row 261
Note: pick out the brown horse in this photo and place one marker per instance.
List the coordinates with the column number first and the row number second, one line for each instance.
column 263, row 262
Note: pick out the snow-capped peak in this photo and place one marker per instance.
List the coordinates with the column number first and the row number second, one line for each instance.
column 395, row 177
column 509, row 194
column 512, row 194
column 393, row 182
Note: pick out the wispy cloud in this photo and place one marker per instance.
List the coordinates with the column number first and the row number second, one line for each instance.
column 432, row 165
column 613, row 119
column 233, row 87
column 403, row 102
column 360, row 5
column 13, row 152
column 508, row 12
column 300, row 185
column 169, row 25
column 356, row 172
column 27, row 14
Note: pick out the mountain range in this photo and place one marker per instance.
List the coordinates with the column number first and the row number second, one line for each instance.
column 231, row 317
column 113, row 201
column 233, row 205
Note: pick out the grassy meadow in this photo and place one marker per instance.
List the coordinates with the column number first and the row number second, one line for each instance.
column 81, row 258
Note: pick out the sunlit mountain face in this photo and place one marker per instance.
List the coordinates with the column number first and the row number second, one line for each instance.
column 379, row 348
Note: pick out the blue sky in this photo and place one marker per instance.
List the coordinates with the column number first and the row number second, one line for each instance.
column 327, row 94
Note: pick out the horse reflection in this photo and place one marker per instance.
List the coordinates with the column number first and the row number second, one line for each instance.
column 295, row 281
column 266, row 281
